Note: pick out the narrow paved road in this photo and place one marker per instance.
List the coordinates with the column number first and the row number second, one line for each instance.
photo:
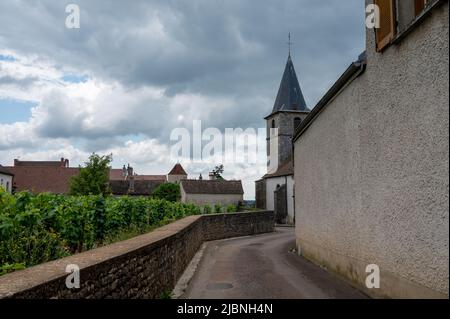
column 260, row 267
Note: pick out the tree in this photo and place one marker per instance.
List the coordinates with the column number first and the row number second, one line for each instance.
column 218, row 171
column 93, row 178
column 168, row 191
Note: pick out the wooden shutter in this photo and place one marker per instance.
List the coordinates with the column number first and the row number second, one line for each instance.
column 386, row 32
column 419, row 5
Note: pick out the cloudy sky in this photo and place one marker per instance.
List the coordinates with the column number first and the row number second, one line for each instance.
column 135, row 70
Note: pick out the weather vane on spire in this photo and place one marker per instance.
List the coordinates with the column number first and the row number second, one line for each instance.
column 289, row 43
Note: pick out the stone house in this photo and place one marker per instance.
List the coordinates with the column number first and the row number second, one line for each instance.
column 371, row 161
column 130, row 183
column 211, row 192
column 43, row 176
column 54, row 177
column 6, row 179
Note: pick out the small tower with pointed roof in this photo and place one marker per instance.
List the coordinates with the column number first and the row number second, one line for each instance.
column 288, row 112
column 177, row 174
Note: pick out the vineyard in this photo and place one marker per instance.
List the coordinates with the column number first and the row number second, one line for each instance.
column 39, row 228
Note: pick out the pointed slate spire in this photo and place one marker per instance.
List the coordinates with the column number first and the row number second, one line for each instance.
column 290, row 96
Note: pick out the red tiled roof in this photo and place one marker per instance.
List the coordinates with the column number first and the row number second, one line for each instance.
column 61, row 163
column 177, row 170
column 116, row 174
column 285, row 170
column 5, row 171
column 39, row 179
column 212, row 187
column 150, row 178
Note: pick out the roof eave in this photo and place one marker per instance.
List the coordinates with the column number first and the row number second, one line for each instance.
column 6, row 173
column 286, row 111
column 277, row 175
column 354, row 70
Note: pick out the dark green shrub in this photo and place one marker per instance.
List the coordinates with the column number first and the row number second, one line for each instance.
column 168, row 191
column 207, row 209
column 217, row 209
column 39, row 228
column 231, row 208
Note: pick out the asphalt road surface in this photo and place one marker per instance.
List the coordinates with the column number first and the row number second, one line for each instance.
column 260, row 267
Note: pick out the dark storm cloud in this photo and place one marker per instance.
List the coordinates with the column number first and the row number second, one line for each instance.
column 233, row 49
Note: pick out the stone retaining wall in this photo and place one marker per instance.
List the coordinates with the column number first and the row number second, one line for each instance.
column 146, row 266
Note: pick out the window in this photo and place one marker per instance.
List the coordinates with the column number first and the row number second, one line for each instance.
column 395, row 17
column 273, row 123
column 7, row 187
column 408, row 10
column 297, row 122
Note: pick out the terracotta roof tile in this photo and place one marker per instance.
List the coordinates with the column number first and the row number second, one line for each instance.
column 150, row 178
column 116, row 174
column 39, row 179
column 177, row 170
column 61, row 163
column 285, row 170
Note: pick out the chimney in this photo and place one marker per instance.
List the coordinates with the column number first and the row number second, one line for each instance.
column 129, row 171
column 200, row 178
column 66, row 162
column 124, row 172
column 63, row 162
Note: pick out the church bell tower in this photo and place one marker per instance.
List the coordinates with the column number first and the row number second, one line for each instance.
column 288, row 112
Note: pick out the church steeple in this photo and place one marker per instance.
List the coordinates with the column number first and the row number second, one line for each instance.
column 290, row 96
column 287, row 114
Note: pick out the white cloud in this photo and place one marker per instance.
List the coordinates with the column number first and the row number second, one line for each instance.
column 153, row 65
column 71, row 115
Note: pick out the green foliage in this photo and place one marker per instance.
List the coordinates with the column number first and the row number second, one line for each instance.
column 168, row 191
column 231, row 208
column 217, row 208
column 7, row 268
column 166, row 294
column 39, row 228
column 218, row 171
column 207, row 209
column 93, row 178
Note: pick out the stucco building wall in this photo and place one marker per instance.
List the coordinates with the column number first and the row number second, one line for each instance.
column 176, row 178
column 271, row 186
column 212, row 199
column 6, row 181
column 371, row 171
